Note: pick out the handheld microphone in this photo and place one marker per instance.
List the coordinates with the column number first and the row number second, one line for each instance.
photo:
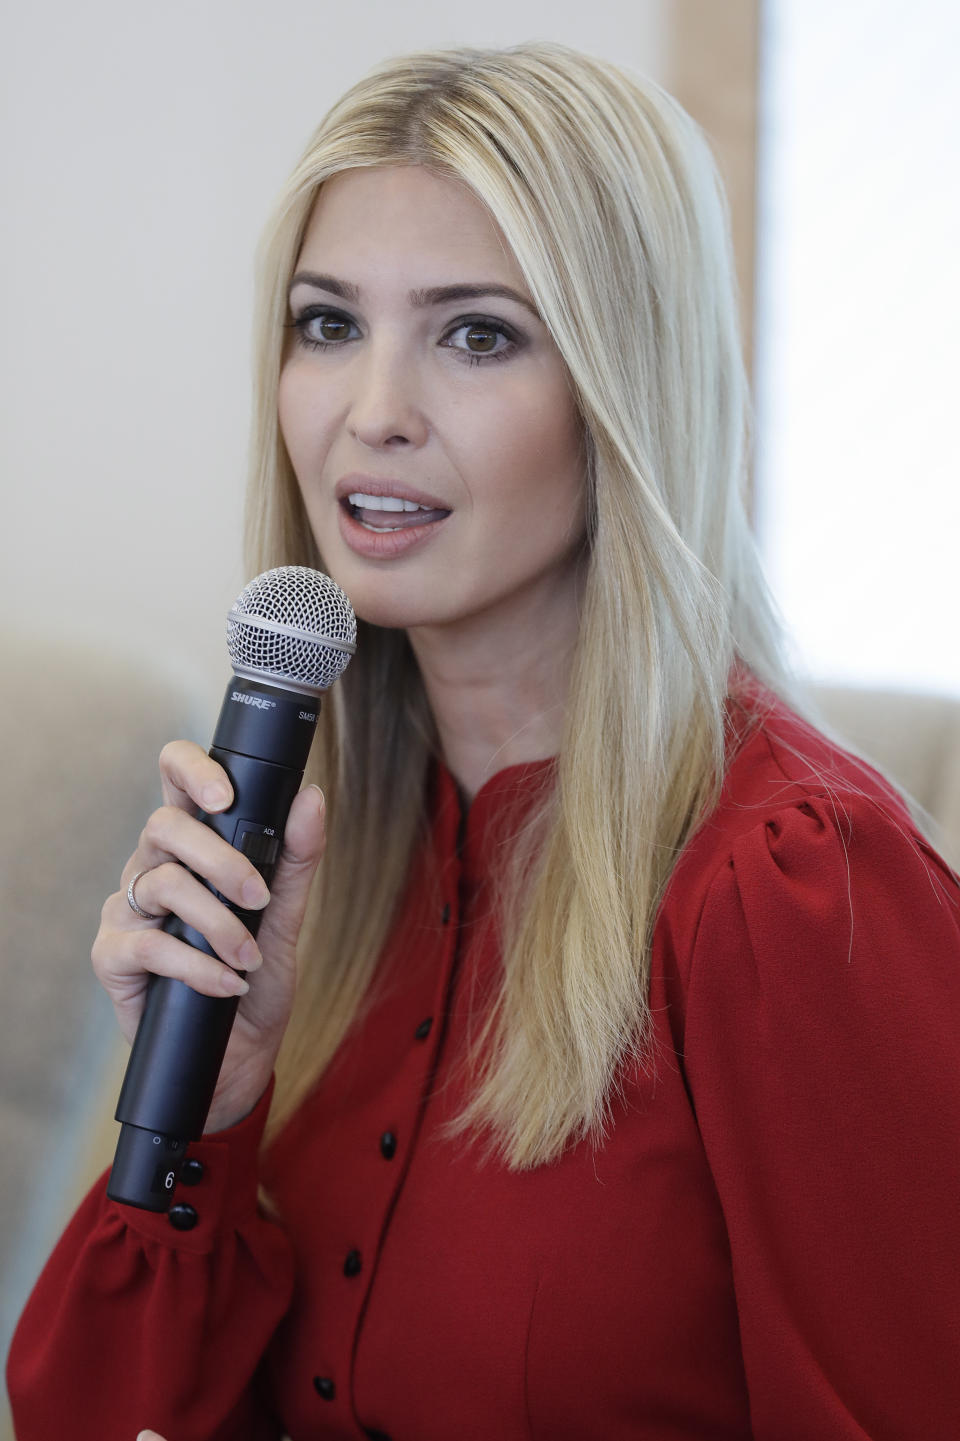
column 290, row 633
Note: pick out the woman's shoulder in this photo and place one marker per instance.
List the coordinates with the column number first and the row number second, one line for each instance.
column 786, row 777
column 779, row 760
column 801, row 824
column 809, row 974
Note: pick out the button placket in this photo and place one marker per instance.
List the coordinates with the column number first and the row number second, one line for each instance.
column 420, row 1074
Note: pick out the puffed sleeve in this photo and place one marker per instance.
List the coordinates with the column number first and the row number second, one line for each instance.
column 135, row 1324
column 822, row 1051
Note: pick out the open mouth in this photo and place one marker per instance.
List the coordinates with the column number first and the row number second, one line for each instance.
column 388, row 512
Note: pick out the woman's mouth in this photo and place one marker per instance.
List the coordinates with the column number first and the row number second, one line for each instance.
column 386, row 527
column 389, row 512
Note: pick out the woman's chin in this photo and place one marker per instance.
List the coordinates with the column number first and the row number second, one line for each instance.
column 391, row 600
column 389, row 612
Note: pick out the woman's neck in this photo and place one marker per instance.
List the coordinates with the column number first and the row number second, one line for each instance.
column 497, row 684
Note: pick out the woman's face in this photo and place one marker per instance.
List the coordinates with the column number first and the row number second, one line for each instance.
column 425, row 409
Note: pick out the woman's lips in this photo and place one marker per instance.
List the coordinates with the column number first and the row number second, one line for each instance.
column 390, row 520
column 385, row 534
column 384, row 488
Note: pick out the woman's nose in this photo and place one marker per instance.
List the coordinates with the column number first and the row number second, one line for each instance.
column 386, row 404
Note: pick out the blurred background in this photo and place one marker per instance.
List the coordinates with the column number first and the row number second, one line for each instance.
column 141, row 150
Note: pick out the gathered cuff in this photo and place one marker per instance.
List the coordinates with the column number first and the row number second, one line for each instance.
column 224, row 1194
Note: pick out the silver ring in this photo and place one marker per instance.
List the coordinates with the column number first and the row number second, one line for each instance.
column 134, row 904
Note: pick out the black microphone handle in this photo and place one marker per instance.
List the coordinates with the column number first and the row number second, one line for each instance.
column 182, row 1037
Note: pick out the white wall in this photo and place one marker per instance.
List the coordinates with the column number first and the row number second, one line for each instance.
column 858, row 318
column 141, row 150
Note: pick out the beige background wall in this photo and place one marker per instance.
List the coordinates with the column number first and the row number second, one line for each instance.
column 140, row 152
column 710, row 64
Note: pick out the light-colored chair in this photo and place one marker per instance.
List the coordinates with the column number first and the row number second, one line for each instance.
column 79, row 736
column 915, row 739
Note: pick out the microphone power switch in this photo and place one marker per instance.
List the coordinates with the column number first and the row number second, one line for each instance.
column 143, row 1154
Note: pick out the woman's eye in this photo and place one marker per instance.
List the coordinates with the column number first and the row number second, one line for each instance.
column 474, row 341
column 478, row 340
column 320, row 329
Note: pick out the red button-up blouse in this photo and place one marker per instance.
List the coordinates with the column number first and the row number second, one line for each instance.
column 767, row 1246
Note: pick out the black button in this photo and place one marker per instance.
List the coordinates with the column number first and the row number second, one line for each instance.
column 353, row 1265
column 324, row 1387
column 423, row 1030
column 446, row 914
column 182, row 1217
column 388, row 1145
column 191, row 1172
column 375, row 1435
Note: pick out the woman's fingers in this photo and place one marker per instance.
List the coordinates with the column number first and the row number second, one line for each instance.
column 170, row 888
column 178, row 866
column 128, row 948
column 191, row 778
column 124, row 961
column 171, row 834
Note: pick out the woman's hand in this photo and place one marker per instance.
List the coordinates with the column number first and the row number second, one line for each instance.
column 149, row 1436
column 128, row 949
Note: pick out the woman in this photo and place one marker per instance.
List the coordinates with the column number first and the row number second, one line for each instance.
column 620, row 1094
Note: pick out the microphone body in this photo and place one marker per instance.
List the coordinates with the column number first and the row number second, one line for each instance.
column 262, row 740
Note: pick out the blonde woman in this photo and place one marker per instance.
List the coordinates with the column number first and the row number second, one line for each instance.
column 619, row 1098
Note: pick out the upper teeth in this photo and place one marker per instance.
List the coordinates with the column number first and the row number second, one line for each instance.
column 384, row 502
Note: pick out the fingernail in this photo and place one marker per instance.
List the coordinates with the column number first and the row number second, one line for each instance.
column 235, row 985
column 249, row 956
column 214, row 797
column 254, row 893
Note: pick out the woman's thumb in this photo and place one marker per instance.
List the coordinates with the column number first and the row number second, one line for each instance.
column 303, row 844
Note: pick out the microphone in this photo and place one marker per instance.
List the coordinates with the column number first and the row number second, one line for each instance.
column 290, row 633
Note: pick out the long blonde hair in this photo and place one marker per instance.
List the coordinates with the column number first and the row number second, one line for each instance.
column 607, row 194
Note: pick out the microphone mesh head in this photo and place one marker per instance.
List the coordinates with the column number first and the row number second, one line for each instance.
column 292, row 627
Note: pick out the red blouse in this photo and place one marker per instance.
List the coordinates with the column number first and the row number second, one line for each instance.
column 767, row 1246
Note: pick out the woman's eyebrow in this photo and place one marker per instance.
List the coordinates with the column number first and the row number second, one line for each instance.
column 440, row 294
column 435, row 295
